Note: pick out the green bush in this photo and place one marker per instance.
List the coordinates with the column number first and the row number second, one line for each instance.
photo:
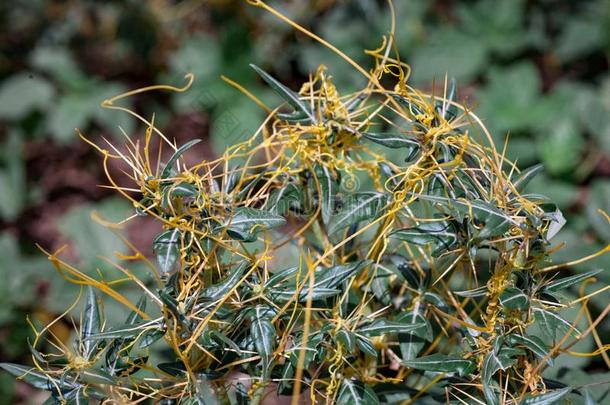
column 372, row 247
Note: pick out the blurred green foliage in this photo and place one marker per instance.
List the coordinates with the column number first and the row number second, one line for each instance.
column 535, row 69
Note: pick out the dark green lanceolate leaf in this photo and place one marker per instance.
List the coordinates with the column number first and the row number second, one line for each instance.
column 552, row 324
column 219, row 290
column 382, row 326
column 347, row 339
column 91, row 323
column 495, row 221
column 358, row 207
column 174, row 368
column 442, row 363
column 415, row 111
column 475, row 292
column 412, row 343
column 120, row 345
column 534, row 344
column 128, row 331
column 179, row 152
column 493, row 362
column 407, row 271
column 325, row 285
column 75, row 397
column 289, row 197
column 317, row 293
column 134, row 317
column 249, row 185
column 353, row 392
column 394, row 141
column 288, row 95
column 548, row 398
column 182, row 189
column 214, row 337
column 263, row 333
column 435, row 300
column 167, row 248
column 295, row 117
column 149, row 337
column 366, row 346
column 566, row 282
column 312, row 350
column 247, row 222
column 96, row 376
column 439, row 235
column 336, row 275
column 327, row 192
column 281, row 276
column 33, row 377
column 514, row 298
column 526, row 176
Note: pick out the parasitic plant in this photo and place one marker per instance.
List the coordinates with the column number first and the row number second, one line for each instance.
column 365, row 248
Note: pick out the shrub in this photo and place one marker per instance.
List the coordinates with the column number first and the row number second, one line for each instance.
column 364, row 248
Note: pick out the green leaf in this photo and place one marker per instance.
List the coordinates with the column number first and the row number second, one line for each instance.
column 491, row 364
column 128, row 331
column 13, row 177
column 475, row 292
column 561, row 148
column 599, row 199
column 534, row 344
column 288, row 95
column 167, row 248
column 246, row 222
column 412, row 343
column 181, row 189
column 134, row 317
column 179, row 152
column 366, row 346
column 175, row 368
column 447, row 51
column 353, row 392
column 382, row 326
column 149, row 337
column 221, row 289
column 71, row 111
column 440, row 235
column 394, row 141
column 526, row 176
column 347, row 339
column 514, row 298
column 509, row 107
column 548, row 398
column 334, row 276
column 327, row 192
column 317, row 293
column 359, row 207
column 566, row 282
column 91, row 323
column 76, row 397
column 95, row 376
column 552, row 324
column 281, row 276
column 495, row 220
column 442, row 363
column 23, row 93
column 263, row 333
column 289, row 197
column 35, row 378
